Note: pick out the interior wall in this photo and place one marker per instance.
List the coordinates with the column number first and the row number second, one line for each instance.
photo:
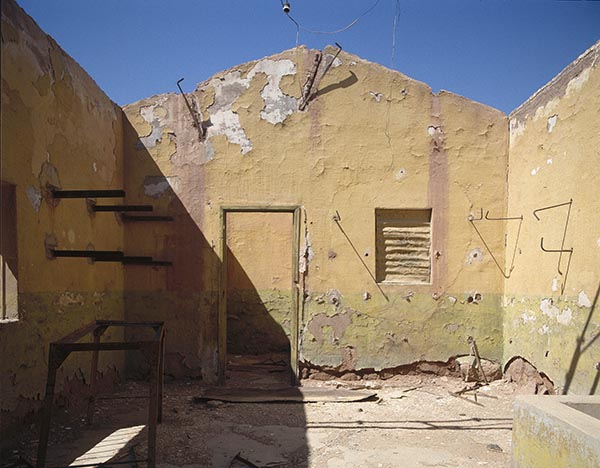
column 58, row 129
column 551, row 316
column 369, row 138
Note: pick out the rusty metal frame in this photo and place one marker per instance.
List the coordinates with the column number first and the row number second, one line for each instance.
column 153, row 349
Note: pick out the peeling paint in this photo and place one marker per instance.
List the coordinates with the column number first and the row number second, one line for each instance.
column 548, row 308
column 552, row 122
column 528, row 318
column 306, row 254
column 153, row 115
column 228, row 88
column 338, row 323
column 475, row 255
column 376, row 96
column 583, row 300
column 278, row 106
column 565, row 316
column 156, row 186
column 35, row 197
column 576, row 83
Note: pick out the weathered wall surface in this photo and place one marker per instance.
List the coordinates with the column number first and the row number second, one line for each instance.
column 59, row 129
column 259, row 282
column 551, row 312
column 370, row 138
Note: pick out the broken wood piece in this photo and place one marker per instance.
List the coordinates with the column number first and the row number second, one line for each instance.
column 239, row 458
column 286, row 394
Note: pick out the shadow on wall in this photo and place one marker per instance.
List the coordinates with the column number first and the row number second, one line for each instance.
column 251, row 329
column 185, row 296
column 582, row 345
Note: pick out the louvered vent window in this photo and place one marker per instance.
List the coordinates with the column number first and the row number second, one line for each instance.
column 403, row 246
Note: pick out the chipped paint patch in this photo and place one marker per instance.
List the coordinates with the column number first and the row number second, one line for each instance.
column 517, row 128
column 156, row 186
column 306, row 255
column 70, row 299
column 555, row 284
column 548, row 308
column 583, row 300
column 228, row 88
column 535, row 171
column 544, row 329
column 528, row 318
column 552, row 123
column 401, row 174
column 337, row 323
column 475, row 255
column 576, row 83
column 35, row 197
column 565, row 316
column 376, row 96
column 153, row 115
column 278, row 106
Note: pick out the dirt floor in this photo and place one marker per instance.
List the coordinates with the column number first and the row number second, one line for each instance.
column 414, row 421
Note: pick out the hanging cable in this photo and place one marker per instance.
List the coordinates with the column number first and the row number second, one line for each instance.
column 286, row 9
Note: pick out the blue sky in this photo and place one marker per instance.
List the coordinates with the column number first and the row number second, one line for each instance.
column 495, row 52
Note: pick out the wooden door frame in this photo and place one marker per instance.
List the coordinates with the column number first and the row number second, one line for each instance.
column 295, row 312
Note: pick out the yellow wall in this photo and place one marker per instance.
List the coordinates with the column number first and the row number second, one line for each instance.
column 372, row 138
column 58, row 127
column 554, row 154
column 369, row 138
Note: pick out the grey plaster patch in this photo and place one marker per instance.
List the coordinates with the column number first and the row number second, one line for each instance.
column 35, row 197
column 475, row 255
column 552, row 122
column 156, row 122
column 228, row 88
column 156, row 186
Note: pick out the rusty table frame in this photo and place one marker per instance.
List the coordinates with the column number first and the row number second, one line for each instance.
column 152, row 348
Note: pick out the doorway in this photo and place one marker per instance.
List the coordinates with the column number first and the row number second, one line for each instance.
column 258, row 310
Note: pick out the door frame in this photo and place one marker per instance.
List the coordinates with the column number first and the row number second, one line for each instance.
column 295, row 312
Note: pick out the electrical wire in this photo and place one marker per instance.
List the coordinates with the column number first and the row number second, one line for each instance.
column 337, row 31
column 392, row 66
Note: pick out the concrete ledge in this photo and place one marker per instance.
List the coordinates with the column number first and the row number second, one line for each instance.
column 556, row 431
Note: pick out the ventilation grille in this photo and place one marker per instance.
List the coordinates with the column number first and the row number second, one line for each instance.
column 403, row 246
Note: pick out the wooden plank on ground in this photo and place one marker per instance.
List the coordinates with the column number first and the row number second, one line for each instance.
column 287, row 394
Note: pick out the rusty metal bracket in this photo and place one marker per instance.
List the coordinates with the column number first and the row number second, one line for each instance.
column 510, row 218
column 332, row 60
column 562, row 244
column 306, row 89
column 311, row 82
column 201, row 129
column 487, row 217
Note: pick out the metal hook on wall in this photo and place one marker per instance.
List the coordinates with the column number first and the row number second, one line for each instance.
column 489, row 218
column 471, row 219
column 562, row 244
column 535, row 212
column 201, row 129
